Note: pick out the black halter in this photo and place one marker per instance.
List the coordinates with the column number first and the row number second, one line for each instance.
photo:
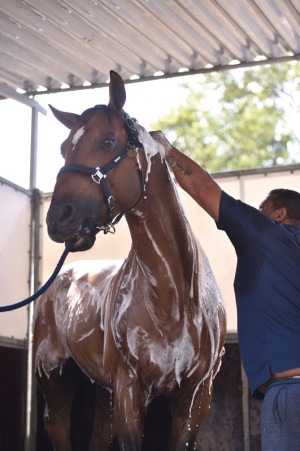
column 98, row 174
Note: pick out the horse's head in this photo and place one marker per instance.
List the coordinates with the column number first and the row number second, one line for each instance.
column 99, row 181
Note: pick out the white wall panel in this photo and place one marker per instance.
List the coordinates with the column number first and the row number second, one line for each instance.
column 14, row 251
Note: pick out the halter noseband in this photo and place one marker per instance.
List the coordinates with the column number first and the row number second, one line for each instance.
column 99, row 174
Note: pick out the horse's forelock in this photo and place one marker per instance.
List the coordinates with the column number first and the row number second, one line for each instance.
column 92, row 110
column 104, row 108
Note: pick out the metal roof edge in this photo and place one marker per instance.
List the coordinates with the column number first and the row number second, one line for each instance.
column 263, row 170
column 205, row 70
column 16, row 187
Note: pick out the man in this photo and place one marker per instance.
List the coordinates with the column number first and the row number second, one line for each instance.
column 267, row 290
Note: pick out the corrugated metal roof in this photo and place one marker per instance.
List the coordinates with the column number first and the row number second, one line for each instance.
column 47, row 44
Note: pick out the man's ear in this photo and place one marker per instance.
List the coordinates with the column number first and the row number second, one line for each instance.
column 282, row 214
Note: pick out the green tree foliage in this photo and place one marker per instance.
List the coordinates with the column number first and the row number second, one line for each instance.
column 237, row 119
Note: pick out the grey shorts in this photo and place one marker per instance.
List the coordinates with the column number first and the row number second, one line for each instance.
column 280, row 416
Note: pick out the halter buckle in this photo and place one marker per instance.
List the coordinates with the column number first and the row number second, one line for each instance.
column 111, row 202
column 108, row 228
column 98, row 176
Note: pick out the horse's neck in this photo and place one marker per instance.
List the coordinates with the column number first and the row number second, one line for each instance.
column 162, row 239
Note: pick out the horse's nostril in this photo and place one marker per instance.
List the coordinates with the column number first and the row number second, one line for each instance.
column 67, row 213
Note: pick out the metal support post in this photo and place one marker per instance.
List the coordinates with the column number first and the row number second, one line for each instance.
column 34, row 284
column 245, row 409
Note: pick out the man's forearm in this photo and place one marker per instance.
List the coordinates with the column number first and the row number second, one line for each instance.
column 195, row 181
column 190, row 176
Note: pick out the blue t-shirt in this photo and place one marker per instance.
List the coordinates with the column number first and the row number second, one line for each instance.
column 267, row 289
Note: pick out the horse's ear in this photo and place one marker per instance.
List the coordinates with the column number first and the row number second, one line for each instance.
column 68, row 119
column 117, row 93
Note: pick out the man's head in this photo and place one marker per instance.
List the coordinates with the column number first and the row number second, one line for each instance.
column 282, row 205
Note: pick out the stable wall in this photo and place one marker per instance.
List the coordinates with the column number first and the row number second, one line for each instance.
column 15, row 214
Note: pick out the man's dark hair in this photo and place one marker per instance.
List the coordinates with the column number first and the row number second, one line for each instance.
column 288, row 199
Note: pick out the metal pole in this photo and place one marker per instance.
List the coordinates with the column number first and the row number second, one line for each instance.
column 34, row 283
column 245, row 409
column 33, row 148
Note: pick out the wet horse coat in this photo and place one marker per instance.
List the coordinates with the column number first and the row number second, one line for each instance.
column 150, row 326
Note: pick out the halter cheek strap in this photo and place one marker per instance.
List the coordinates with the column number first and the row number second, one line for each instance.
column 99, row 174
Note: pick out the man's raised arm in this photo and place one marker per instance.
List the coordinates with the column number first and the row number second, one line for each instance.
column 190, row 176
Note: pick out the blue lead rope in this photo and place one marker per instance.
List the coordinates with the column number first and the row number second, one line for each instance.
column 7, row 308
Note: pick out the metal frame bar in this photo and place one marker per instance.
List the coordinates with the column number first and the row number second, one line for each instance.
column 242, row 172
column 34, row 285
column 205, row 70
column 30, row 431
column 15, row 343
column 245, row 409
column 6, row 91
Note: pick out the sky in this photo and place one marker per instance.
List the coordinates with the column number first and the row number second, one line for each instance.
column 145, row 101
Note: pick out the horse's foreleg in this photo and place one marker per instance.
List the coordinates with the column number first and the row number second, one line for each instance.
column 128, row 412
column 59, row 389
column 188, row 416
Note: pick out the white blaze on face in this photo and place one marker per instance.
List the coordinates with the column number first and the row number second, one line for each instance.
column 76, row 137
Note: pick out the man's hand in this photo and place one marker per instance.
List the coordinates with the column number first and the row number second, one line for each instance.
column 163, row 144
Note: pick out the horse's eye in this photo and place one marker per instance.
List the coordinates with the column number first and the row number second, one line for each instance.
column 108, row 143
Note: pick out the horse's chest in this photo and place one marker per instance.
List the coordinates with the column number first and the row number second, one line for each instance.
column 161, row 352
column 128, row 324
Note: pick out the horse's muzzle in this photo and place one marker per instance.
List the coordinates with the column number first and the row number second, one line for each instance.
column 83, row 243
column 59, row 235
column 66, row 219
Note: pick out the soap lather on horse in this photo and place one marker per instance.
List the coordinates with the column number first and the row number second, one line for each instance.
column 151, row 326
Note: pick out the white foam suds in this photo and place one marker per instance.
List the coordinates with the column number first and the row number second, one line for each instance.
column 150, row 146
column 85, row 335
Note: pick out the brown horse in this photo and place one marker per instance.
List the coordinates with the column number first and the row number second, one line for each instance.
column 153, row 326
